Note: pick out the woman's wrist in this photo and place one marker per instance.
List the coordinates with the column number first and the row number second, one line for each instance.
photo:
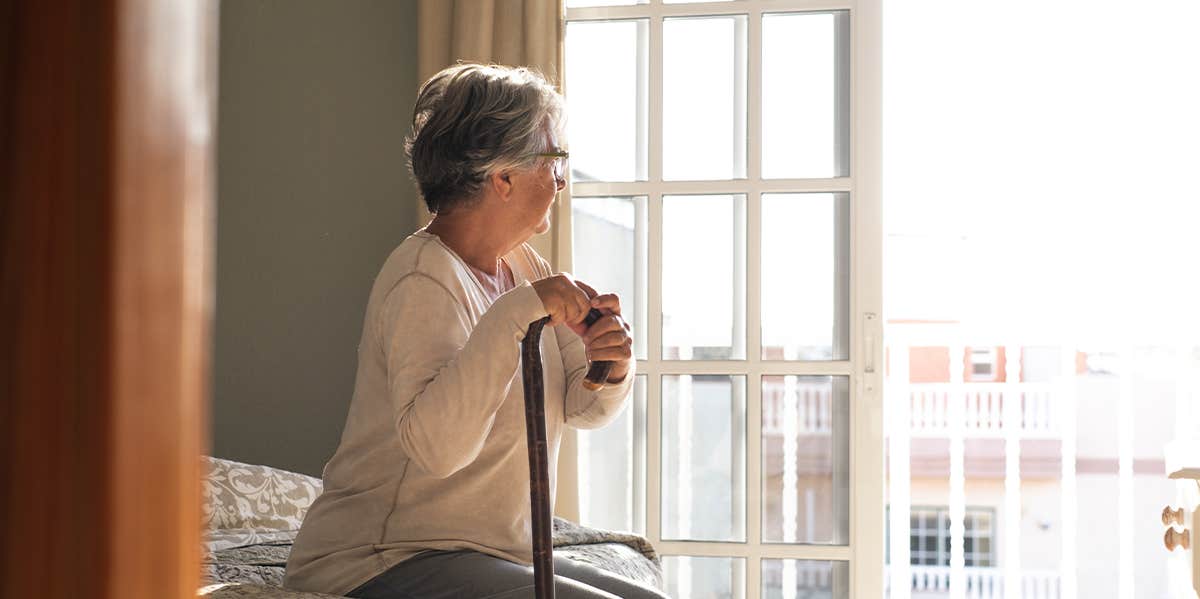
column 617, row 374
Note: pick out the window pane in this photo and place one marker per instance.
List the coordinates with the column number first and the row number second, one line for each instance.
column 704, row 98
column 609, row 242
column 806, row 276
column 704, row 277
column 806, row 95
column 806, row 459
column 606, row 66
column 983, row 522
column 805, row 579
column 704, row 577
column 703, row 457
column 612, row 469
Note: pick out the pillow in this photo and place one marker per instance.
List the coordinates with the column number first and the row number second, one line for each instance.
column 246, row 496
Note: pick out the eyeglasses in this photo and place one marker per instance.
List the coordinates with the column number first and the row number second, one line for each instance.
column 560, row 163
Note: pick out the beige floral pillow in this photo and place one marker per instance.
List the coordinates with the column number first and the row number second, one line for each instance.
column 246, row 496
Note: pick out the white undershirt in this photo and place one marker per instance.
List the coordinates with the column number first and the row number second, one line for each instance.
column 494, row 285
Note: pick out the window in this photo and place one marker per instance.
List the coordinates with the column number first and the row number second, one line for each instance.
column 929, row 537
column 715, row 187
column 983, row 364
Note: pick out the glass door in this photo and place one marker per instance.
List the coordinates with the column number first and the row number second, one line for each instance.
column 725, row 182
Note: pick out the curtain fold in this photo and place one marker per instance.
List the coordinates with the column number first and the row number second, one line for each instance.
column 515, row 33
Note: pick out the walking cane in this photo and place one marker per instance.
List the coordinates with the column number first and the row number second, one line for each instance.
column 535, row 431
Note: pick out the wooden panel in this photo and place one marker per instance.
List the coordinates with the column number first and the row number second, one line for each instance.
column 104, row 308
column 53, row 339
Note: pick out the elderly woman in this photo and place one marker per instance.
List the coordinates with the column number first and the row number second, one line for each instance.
column 428, row 492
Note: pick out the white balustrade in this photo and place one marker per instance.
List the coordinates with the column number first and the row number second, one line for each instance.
column 807, row 575
column 930, row 409
column 813, row 408
column 933, row 582
column 982, row 409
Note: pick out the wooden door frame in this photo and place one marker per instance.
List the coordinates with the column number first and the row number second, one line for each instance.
column 106, row 128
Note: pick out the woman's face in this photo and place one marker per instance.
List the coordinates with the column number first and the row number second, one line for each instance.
column 541, row 187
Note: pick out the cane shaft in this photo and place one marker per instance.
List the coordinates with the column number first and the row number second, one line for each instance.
column 535, row 429
column 539, row 476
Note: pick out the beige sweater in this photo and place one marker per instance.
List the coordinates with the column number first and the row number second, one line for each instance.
column 433, row 455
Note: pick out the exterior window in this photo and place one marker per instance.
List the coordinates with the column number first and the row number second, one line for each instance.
column 983, row 364
column 929, row 537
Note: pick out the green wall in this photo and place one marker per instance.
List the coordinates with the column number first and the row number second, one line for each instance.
column 312, row 194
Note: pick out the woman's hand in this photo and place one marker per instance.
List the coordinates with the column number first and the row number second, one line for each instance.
column 565, row 302
column 608, row 338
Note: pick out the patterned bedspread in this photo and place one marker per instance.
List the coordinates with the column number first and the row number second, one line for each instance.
column 254, row 512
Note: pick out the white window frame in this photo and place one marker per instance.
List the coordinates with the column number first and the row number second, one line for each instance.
column 864, row 551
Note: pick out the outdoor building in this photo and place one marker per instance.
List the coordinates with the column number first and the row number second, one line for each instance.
column 1064, row 502
column 1072, row 473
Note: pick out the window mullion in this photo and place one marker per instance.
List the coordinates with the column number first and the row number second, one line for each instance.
column 654, row 460
column 654, row 293
column 754, row 485
column 656, row 366
column 727, row 186
column 655, row 129
column 754, row 97
column 654, row 358
column 754, row 481
column 753, row 301
column 743, row 550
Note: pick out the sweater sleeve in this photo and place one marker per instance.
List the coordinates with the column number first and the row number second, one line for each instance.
column 446, row 380
column 588, row 409
column 583, row 408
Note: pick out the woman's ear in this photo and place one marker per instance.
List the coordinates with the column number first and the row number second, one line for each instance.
column 501, row 182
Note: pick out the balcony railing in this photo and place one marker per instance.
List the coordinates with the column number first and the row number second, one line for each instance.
column 982, row 409
column 932, row 409
column 933, row 582
column 813, row 405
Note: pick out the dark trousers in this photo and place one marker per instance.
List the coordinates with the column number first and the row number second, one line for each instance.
column 470, row 574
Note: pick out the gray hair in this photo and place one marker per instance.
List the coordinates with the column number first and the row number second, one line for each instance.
column 471, row 120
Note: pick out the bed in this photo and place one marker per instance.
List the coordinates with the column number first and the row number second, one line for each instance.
column 252, row 514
